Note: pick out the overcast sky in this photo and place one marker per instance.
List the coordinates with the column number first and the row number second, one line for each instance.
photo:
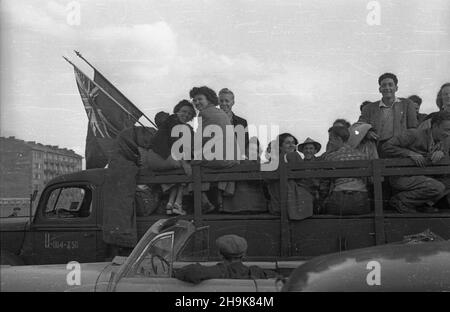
column 298, row 64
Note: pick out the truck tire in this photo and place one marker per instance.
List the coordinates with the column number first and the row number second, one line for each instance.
column 8, row 258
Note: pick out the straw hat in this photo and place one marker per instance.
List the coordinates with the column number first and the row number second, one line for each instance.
column 308, row 140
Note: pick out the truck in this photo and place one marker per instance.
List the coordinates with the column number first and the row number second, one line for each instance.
column 67, row 223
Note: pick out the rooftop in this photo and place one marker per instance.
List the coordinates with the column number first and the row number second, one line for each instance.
column 44, row 148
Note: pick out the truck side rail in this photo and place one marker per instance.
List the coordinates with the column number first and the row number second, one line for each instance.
column 377, row 169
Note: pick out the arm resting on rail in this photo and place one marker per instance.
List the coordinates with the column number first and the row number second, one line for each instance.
column 398, row 146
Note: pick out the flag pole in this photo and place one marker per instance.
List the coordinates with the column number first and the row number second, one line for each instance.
column 106, row 93
column 95, row 69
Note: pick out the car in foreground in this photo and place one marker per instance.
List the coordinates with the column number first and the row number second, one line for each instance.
column 148, row 268
column 391, row 268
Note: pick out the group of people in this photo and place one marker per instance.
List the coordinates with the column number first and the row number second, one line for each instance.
column 391, row 127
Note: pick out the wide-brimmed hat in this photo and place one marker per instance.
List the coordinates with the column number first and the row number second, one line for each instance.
column 308, row 140
column 357, row 132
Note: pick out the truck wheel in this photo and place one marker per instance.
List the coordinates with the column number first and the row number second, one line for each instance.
column 8, row 258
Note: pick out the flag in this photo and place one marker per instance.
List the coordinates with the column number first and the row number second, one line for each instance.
column 116, row 94
column 106, row 118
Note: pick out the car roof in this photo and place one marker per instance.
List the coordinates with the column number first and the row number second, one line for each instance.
column 402, row 267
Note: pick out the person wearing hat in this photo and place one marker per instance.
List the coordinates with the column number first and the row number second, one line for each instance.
column 309, row 149
column 361, row 139
column 232, row 249
column 344, row 196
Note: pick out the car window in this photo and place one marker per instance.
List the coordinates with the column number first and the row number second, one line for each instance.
column 197, row 247
column 69, row 202
column 157, row 259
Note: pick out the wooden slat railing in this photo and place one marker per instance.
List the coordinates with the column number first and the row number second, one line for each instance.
column 377, row 169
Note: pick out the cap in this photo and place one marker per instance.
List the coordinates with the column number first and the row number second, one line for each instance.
column 231, row 245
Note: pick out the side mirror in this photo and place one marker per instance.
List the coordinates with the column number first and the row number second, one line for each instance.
column 32, row 199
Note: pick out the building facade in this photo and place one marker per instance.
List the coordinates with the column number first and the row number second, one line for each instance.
column 29, row 166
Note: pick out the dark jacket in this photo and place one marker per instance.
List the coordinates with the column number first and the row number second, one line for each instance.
column 414, row 140
column 162, row 141
column 236, row 120
column 128, row 140
column 195, row 273
column 405, row 116
column 421, row 118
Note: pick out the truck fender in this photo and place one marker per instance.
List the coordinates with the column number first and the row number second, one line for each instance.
column 8, row 258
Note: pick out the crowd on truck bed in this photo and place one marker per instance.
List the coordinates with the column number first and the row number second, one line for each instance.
column 391, row 127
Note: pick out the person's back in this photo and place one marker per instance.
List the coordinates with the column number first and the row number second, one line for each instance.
column 196, row 273
column 232, row 248
column 346, row 196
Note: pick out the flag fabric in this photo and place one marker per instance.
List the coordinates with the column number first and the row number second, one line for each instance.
column 116, row 94
column 106, row 118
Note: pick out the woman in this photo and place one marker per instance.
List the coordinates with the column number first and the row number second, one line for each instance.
column 299, row 200
column 160, row 157
column 442, row 102
column 206, row 100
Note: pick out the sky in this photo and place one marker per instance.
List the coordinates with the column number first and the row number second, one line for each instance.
column 292, row 63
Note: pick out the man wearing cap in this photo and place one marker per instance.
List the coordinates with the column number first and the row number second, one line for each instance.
column 232, row 249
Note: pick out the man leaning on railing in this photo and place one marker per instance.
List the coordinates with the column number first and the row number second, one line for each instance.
column 347, row 196
column 421, row 192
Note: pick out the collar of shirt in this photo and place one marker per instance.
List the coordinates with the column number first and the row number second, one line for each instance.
column 385, row 106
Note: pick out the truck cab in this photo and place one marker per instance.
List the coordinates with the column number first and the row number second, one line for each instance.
column 66, row 225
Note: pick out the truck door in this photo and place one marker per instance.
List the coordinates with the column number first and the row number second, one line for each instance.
column 65, row 227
